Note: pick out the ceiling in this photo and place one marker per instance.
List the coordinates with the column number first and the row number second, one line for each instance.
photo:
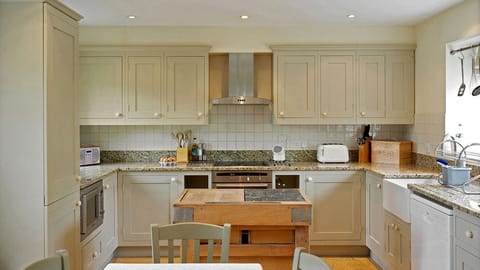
column 269, row 13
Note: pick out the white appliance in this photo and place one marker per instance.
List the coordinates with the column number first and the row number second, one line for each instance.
column 89, row 155
column 431, row 235
column 278, row 153
column 332, row 153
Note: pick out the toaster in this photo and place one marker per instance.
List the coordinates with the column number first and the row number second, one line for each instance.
column 89, row 155
column 332, row 153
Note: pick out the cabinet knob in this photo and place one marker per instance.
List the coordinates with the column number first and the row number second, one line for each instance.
column 363, row 113
column 118, row 114
column 324, row 113
column 156, row 114
column 309, row 179
column 281, row 113
column 173, row 179
column 78, row 178
column 469, row 234
column 200, row 114
column 392, row 225
column 106, row 186
column 379, row 186
column 396, row 228
column 78, row 203
column 94, row 254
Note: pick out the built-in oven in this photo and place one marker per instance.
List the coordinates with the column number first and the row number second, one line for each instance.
column 91, row 210
column 247, row 174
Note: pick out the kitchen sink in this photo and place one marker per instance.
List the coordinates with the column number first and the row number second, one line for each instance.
column 396, row 195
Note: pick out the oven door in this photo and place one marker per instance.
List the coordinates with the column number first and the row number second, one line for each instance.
column 242, row 185
column 91, row 211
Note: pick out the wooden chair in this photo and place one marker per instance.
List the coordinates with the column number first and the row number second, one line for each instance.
column 190, row 231
column 306, row 261
column 61, row 261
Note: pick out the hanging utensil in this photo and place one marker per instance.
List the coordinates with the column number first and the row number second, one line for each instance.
column 461, row 89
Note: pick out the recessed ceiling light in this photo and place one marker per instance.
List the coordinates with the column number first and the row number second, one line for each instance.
column 131, row 16
column 244, row 17
column 351, row 16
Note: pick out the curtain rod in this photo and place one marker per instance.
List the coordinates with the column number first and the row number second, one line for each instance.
column 452, row 52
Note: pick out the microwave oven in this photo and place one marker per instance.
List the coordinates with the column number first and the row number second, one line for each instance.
column 89, row 155
column 92, row 208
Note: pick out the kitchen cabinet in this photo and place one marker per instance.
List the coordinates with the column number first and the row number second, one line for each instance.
column 92, row 253
column 337, row 96
column 344, row 84
column 338, row 202
column 145, row 198
column 109, row 234
column 295, row 88
column 40, row 134
column 155, row 85
column 397, row 242
column 101, row 88
column 186, row 89
column 144, row 89
column 375, row 234
column 466, row 241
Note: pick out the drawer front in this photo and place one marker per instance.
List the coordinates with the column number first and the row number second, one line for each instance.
column 467, row 235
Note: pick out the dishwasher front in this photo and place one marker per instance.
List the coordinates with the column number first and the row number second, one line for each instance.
column 431, row 235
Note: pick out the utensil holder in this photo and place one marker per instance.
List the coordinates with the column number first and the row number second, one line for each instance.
column 182, row 155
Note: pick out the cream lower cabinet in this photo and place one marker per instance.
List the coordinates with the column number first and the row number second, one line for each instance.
column 338, row 199
column 466, row 239
column 144, row 199
column 375, row 232
column 397, row 242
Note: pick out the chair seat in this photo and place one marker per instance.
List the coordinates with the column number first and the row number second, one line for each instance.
column 306, row 261
column 61, row 261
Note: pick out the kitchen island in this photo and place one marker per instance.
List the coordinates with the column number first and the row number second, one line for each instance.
column 267, row 224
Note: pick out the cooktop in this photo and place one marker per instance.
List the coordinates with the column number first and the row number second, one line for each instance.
column 240, row 163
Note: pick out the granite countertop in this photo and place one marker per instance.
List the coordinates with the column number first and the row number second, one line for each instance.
column 91, row 174
column 450, row 196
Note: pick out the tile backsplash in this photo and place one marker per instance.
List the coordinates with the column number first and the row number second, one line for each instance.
column 241, row 127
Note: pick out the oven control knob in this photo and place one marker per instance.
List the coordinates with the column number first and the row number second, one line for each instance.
column 78, row 203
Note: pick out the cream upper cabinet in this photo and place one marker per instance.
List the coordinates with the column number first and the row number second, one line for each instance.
column 371, row 87
column 186, row 89
column 144, row 88
column 101, row 88
column 337, row 89
column 331, row 193
column 144, row 85
column 400, row 96
column 294, row 88
column 352, row 84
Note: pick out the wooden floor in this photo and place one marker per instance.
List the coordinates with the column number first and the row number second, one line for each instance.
column 336, row 263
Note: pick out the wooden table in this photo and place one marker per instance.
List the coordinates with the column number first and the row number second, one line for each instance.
column 265, row 228
column 183, row 266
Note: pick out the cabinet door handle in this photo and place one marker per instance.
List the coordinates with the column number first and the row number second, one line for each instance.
column 173, row 179
column 78, row 203
column 363, row 113
column 78, row 178
column 309, row 179
column 94, row 254
column 200, row 114
column 379, row 186
column 118, row 114
column 106, row 186
column 469, row 234
column 324, row 113
column 156, row 114
column 281, row 114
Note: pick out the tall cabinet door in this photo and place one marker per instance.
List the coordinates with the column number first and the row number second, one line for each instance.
column 110, row 225
column 144, row 88
column 337, row 94
column 294, row 89
column 187, row 99
column 146, row 198
column 332, row 193
column 61, row 123
column 101, row 89
column 400, row 88
column 371, row 88
column 374, row 214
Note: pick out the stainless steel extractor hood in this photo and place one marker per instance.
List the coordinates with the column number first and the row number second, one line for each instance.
column 240, row 81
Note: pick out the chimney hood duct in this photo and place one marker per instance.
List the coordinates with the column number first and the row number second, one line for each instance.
column 241, row 82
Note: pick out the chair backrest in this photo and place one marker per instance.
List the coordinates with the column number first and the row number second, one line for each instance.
column 61, row 261
column 190, row 231
column 306, row 261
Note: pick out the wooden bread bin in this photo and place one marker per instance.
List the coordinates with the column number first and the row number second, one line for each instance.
column 391, row 152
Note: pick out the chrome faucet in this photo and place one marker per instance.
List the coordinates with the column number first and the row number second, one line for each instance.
column 459, row 162
column 475, row 178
